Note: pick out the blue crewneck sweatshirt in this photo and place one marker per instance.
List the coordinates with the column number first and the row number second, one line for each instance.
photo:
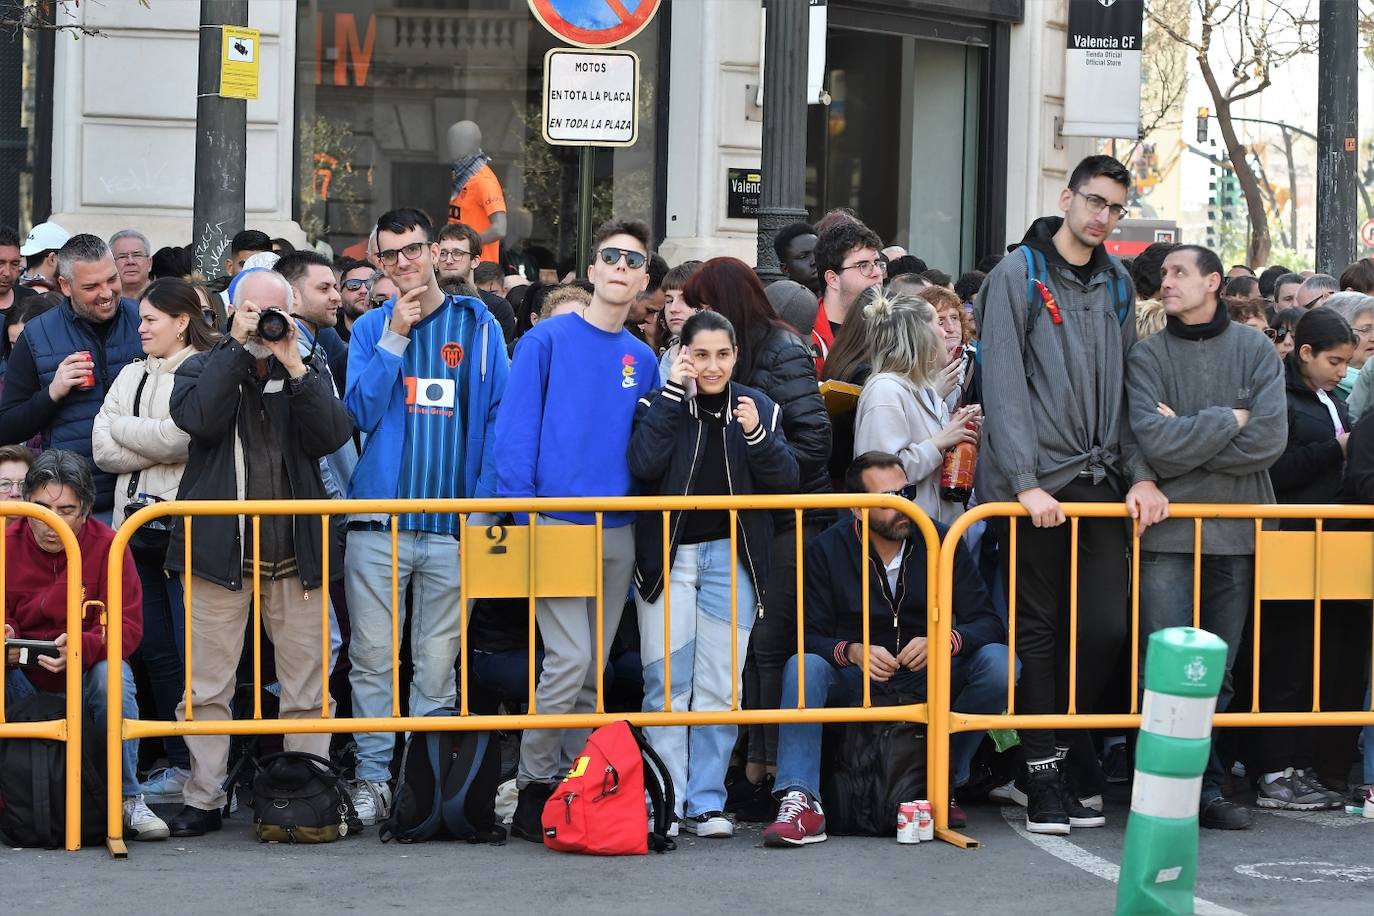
column 565, row 420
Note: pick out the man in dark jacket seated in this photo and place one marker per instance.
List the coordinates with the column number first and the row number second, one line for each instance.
column 260, row 418
column 897, row 649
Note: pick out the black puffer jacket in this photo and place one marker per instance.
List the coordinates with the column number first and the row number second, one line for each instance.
column 1309, row 470
column 784, row 369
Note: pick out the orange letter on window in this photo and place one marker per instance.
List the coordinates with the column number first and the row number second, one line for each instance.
column 347, row 47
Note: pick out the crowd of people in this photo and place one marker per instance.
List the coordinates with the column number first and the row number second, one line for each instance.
column 417, row 374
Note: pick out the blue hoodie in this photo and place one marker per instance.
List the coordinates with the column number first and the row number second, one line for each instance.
column 379, row 399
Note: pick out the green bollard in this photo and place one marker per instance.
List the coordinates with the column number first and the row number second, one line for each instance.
column 1183, row 673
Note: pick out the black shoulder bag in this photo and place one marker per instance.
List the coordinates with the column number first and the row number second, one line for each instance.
column 149, row 543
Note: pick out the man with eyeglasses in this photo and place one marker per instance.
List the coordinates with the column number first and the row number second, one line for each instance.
column 14, row 464
column 847, row 263
column 1053, row 347
column 564, row 430
column 1315, row 290
column 898, row 650
column 1208, row 408
column 425, row 376
column 354, row 301
column 133, row 256
column 460, row 251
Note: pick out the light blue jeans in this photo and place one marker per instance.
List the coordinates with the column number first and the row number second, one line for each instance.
column 428, row 563
column 93, row 695
column 699, row 588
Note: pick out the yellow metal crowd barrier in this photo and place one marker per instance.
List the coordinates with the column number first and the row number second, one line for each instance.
column 1313, row 565
column 532, row 562
column 69, row 728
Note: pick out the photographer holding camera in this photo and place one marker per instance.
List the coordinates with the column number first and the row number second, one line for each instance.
column 134, row 437
column 260, row 418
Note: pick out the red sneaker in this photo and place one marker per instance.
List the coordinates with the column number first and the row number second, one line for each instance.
column 800, row 822
column 957, row 818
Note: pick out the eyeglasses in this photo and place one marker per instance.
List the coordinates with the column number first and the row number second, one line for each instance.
column 633, row 259
column 865, row 268
column 354, row 285
column 1277, row 335
column 453, row 254
column 411, row 251
column 1364, row 330
column 10, row 486
column 131, row 256
column 378, row 301
column 1097, row 203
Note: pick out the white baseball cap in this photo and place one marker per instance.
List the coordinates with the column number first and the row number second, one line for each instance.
column 43, row 237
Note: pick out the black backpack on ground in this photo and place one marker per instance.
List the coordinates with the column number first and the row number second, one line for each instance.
column 447, row 789
column 868, row 769
column 33, row 773
column 301, row 798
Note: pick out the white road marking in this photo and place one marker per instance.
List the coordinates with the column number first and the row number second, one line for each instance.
column 1316, row 872
column 1092, row 863
column 1334, row 819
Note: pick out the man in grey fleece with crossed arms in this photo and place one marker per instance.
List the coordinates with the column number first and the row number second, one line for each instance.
column 1055, row 431
column 1208, row 410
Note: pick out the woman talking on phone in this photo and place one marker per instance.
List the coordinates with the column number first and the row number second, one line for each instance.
column 703, row 435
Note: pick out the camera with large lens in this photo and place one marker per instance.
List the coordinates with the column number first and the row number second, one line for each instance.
column 273, row 325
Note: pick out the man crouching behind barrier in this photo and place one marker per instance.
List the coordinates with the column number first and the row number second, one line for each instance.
column 260, row 418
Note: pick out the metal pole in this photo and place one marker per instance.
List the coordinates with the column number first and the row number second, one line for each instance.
column 221, row 144
column 586, row 175
column 1337, row 113
column 782, row 197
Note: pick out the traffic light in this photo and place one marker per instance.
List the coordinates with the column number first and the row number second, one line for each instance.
column 1202, row 115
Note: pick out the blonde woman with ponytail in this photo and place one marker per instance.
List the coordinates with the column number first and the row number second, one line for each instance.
column 900, row 410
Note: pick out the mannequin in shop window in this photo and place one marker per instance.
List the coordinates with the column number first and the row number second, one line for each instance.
column 477, row 197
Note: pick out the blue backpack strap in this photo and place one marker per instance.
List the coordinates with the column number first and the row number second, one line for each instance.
column 1120, row 291
column 1035, row 272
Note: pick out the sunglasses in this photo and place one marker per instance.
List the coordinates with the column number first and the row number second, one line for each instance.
column 1277, row 335
column 633, row 259
column 907, row 492
column 354, row 285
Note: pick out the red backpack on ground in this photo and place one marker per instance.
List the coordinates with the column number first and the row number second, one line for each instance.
column 599, row 809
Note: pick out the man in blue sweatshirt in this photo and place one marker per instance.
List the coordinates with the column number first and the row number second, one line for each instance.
column 425, row 375
column 564, row 430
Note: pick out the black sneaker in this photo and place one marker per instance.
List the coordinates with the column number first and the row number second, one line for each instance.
column 759, row 807
column 1044, row 802
column 1223, row 814
column 528, row 821
column 1077, row 808
column 1309, row 776
column 1116, row 765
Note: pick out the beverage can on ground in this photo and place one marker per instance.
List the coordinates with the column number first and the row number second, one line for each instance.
column 908, row 830
column 925, row 821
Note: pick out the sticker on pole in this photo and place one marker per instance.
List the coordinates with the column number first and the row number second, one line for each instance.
column 1367, row 233
column 239, row 63
column 591, row 98
column 594, row 23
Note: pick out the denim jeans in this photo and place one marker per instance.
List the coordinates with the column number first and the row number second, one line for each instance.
column 978, row 683
column 163, row 651
column 1166, row 600
column 429, row 564
column 697, row 756
column 93, row 695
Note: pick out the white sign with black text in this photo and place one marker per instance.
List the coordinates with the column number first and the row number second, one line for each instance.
column 591, row 98
column 1102, row 68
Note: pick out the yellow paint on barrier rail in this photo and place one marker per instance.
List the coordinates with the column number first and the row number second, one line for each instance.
column 511, row 571
column 67, row 729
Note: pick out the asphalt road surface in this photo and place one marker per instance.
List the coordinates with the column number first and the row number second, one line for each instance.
column 1319, row 863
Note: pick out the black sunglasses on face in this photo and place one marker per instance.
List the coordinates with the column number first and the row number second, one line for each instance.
column 1277, row 335
column 907, row 492
column 633, row 259
column 354, row 285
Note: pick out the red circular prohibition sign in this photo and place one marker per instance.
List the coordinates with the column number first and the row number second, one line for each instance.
column 561, row 18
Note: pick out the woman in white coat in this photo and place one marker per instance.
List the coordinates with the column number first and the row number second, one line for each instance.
column 135, row 438
column 900, row 410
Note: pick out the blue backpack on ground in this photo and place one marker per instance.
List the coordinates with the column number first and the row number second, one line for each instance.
column 447, row 789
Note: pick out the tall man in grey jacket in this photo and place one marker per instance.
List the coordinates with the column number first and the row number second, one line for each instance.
column 1208, row 410
column 1053, row 342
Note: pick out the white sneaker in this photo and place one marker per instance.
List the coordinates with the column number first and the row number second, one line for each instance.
column 140, row 823
column 712, row 824
column 371, row 801
column 164, row 786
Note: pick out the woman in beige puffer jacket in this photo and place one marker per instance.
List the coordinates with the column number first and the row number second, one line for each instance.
column 140, row 438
